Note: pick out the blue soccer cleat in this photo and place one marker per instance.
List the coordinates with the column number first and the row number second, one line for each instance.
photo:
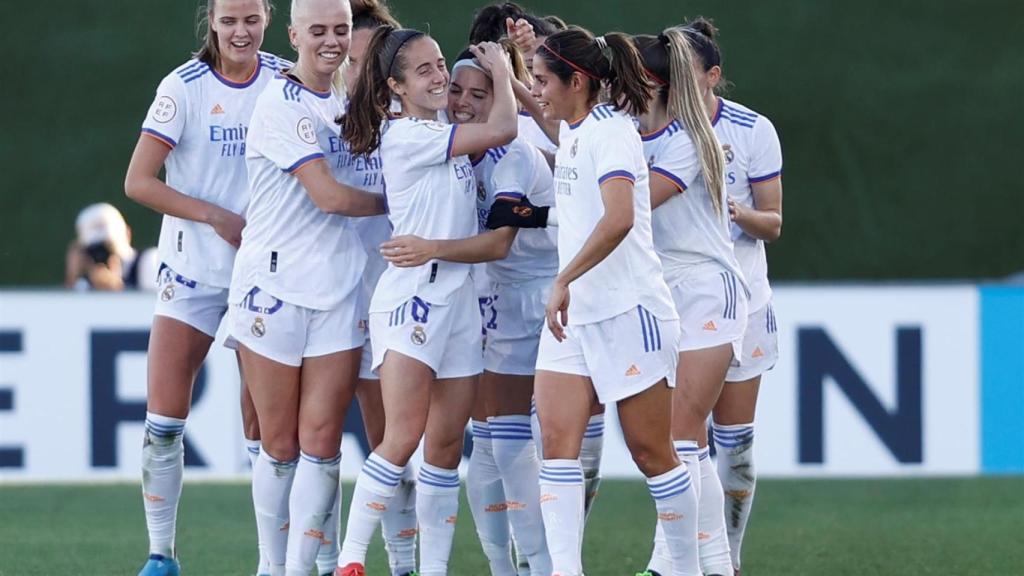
column 159, row 565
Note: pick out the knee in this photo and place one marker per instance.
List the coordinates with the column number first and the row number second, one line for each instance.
column 322, row 440
column 443, row 452
column 398, row 446
column 654, row 461
column 282, row 449
column 558, row 445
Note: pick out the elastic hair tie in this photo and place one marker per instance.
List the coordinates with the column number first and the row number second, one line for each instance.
column 569, row 63
column 602, row 45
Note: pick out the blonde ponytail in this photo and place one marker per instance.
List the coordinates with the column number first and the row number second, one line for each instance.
column 686, row 104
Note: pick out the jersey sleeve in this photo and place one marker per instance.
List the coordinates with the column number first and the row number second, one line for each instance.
column 511, row 176
column 679, row 163
column 289, row 135
column 165, row 120
column 424, row 143
column 765, row 153
column 615, row 154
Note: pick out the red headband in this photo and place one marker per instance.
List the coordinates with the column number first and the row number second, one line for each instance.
column 655, row 77
column 575, row 67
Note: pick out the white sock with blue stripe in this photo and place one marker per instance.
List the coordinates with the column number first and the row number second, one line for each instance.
column 487, row 502
column 163, row 463
column 714, row 544
column 398, row 526
column 374, row 492
column 516, row 457
column 437, row 508
column 561, row 503
column 687, row 452
column 735, row 445
column 327, row 556
column 271, row 485
column 590, row 459
column 313, row 494
column 252, row 450
column 538, row 439
column 676, row 503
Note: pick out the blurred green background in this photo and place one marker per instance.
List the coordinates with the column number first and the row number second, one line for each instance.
column 899, row 121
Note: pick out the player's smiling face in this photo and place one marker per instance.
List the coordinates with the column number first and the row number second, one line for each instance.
column 554, row 96
column 424, row 89
column 470, row 96
column 239, row 25
column 321, row 34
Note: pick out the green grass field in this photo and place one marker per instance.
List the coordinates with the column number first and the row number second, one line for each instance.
column 833, row 527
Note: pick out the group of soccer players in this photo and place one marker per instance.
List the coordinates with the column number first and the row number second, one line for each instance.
column 556, row 223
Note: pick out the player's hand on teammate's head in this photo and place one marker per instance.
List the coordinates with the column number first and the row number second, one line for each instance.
column 521, row 33
column 491, row 56
column 521, row 214
column 408, row 251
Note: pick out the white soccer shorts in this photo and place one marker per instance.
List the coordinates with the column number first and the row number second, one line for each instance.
column 199, row 305
column 513, row 320
column 712, row 310
column 760, row 346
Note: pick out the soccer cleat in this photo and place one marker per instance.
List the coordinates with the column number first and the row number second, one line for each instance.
column 413, row 573
column 353, row 569
column 159, row 565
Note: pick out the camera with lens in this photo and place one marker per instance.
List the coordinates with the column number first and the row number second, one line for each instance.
column 99, row 252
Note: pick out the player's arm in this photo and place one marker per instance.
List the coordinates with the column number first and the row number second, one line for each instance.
column 412, row 251
column 334, row 197
column 502, row 124
column 143, row 185
column 663, row 188
column 764, row 220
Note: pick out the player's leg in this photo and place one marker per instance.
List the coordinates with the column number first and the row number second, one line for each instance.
column 733, row 430
column 516, row 457
column 484, row 488
column 590, row 456
column 176, row 352
column 275, row 392
column 405, row 391
column 437, row 498
column 251, row 437
column 328, row 385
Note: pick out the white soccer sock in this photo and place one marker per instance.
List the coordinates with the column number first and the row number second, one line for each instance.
column 271, row 485
column 252, row 450
column 375, row 490
column 676, row 503
column 398, row 526
column 735, row 446
column 487, row 502
column 327, row 555
column 437, row 508
column 314, row 492
column 590, row 458
column 714, row 545
column 516, row 458
column 561, row 503
column 163, row 462
column 538, row 439
column 661, row 558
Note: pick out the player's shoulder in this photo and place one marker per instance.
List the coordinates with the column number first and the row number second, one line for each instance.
column 189, row 72
column 736, row 114
column 273, row 63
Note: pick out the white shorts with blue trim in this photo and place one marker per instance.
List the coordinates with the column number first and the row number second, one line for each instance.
column 513, row 320
column 198, row 305
column 446, row 338
column 623, row 355
column 760, row 346
column 712, row 310
column 286, row 333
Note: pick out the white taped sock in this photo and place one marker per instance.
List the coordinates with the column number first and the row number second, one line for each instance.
column 163, row 463
column 313, row 495
column 375, row 489
column 714, row 545
column 676, row 504
column 437, row 509
column 590, row 459
column 516, row 458
column 271, row 485
column 561, row 503
column 736, row 470
column 398, row 526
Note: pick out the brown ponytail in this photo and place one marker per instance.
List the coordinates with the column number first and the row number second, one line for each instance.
column 370, row 103
column 371, row 14
column 611, row 60
column 686, row 105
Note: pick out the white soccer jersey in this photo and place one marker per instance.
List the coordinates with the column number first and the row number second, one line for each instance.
column 432, row 195
column 687, row 230
column 366, row 173
column 512, row 172
column 290, row 248
column 531, row 133
column 204, row 118
column 602, row 146
column 752, row 154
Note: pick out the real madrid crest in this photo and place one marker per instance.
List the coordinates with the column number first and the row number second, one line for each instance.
column 258, row 328
column 481, row 191
column 418, row 336
column 729, row 155
column 575, row 147
column 168, row 293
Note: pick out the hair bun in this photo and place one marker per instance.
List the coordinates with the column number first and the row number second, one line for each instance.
column 704, row 27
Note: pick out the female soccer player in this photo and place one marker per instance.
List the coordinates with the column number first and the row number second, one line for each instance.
column 688, row 187
column 612, row 325
column 424, row 321
column 502, row 483
column 196, row 129
column 754, row 179
column 296, row 287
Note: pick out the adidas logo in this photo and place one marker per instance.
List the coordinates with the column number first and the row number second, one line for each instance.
column 217, row 109
column 313, row 533
column 152, row 497
column 633, row 370
column 451, row 519
column 710, row 326
column 757, row 353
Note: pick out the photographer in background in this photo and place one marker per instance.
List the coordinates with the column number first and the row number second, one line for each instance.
column 102, row 257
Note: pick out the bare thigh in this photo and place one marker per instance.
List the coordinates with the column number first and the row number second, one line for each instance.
column 176, row 352
column 275, row 394
column 564, row 405
column 405, row 385
column 512, row 394
column 646, row 420
column 699, row 379
column 738, row 402
column 328, row 384
column 451, row 401
column 371, row 404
